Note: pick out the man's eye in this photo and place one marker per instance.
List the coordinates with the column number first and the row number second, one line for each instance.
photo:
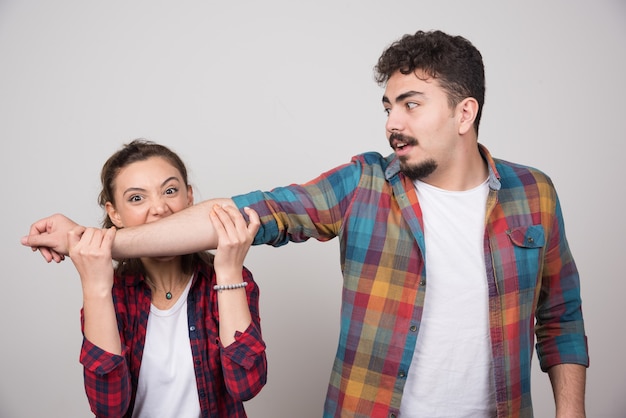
column 411, row 105
column 387, row 111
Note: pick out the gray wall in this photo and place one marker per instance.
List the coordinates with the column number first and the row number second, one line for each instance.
column 260, row 94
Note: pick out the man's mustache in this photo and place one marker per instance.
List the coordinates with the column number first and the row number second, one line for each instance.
column 397, row 137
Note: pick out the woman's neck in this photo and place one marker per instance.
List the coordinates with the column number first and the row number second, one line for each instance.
column 166, row 278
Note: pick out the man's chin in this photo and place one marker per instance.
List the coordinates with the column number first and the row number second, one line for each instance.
column 417, row 171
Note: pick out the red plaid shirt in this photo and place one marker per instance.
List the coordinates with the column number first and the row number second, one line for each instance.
column 225, row 376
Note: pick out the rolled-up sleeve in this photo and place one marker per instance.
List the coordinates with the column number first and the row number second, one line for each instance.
column 107, row 380
column 560, row 329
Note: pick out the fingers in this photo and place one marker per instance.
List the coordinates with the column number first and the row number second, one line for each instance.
column 49, row 237
column 77, row 243
column 217, row 213
column 38, row 243
column 228, row 220
column 255, row 221
column 91, row 244
column 45, row 253
column 109, row 237
column 73, row 239
column 32, row 241
column 56, row 257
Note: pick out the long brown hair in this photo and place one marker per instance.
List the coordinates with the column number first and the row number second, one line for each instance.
column 140, row 150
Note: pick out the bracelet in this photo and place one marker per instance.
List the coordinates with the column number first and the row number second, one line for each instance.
column 220, row 287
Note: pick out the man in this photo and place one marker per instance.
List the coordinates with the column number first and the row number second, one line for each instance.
column 453, row 261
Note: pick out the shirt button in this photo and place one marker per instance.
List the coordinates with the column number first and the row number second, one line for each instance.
column 392, row 415
column 402, row 374
column 413, row 328
column 422, row 282
column 192, row 328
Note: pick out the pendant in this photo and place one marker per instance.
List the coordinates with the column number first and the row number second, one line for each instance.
column 168, row 295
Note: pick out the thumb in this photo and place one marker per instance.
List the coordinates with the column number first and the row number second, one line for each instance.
column 32, row 241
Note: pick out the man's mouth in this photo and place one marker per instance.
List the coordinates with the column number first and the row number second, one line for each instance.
column 399, row 145
column 398, row 141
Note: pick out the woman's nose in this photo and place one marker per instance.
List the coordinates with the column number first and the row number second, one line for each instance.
column 159, row 206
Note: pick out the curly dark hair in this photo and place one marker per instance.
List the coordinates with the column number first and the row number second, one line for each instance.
column 141, row 150
column 452, row 60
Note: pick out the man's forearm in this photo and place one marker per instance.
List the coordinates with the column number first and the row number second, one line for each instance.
column 184, row 232
column 568, row 385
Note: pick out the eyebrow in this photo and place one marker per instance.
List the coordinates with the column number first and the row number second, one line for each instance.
column 403, row 96
column 139, row 189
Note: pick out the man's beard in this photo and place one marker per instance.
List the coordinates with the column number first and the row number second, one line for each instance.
column 412, row 171
column 417, row 171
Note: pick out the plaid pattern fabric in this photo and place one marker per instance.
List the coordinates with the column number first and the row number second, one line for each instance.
column 225, row 376
column 373, row 210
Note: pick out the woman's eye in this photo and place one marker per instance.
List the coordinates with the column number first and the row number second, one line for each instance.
column 171, row 190
column 134, row 198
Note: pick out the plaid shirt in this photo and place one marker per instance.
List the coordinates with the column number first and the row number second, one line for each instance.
column 373, row 209
column 225, row 376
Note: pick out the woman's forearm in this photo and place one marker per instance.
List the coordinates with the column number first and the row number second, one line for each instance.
column 100, row 324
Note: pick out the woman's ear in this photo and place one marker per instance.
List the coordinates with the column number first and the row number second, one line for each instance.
column 114, row 216
column 468, row 109
column 189, row 195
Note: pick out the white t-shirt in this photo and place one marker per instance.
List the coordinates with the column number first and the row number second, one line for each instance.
column 167, row 382
column 451, row 372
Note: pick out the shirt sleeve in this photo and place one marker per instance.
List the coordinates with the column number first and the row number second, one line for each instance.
column 301, row 211
column 244, row 362
column 560, row 329
column 107, row 380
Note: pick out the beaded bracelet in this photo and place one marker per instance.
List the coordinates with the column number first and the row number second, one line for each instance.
column 220, row 287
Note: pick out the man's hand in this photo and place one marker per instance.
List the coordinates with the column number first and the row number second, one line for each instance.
column 50, row 236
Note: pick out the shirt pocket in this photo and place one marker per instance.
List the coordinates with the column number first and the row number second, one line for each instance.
column 528, row 243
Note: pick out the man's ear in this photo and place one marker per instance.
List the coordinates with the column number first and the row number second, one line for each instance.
column 468, row 111
column 114, row 216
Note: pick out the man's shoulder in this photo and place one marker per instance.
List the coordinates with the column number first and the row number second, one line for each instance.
column 510, row 170
column 374, row 159
column 513, row 174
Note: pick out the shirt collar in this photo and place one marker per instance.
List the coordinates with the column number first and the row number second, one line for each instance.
column 393, row 167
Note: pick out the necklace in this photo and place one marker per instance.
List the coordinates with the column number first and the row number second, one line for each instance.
column 168, row 293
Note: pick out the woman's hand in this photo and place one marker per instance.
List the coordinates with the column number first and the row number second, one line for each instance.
column 90, row 251
column 235, row 237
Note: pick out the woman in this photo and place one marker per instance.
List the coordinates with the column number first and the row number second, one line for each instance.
column 168, row 336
